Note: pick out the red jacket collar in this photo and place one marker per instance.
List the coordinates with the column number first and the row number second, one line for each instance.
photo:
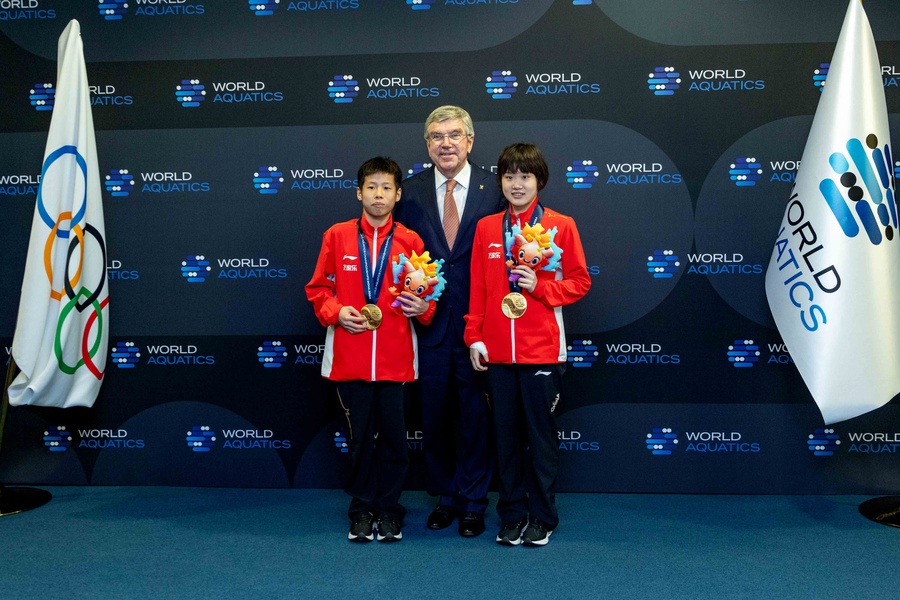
column 369, row 230
column 523, row 217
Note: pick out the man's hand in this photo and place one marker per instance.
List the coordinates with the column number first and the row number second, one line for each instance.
column 478, row 354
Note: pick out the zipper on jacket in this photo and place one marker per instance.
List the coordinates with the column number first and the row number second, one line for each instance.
column 512, row 338
column 374, row 338
column 374, row 331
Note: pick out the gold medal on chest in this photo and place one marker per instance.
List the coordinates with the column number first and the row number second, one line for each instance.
column 514, row 305
column 372, row 314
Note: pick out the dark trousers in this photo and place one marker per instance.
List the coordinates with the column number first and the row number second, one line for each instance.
column 455, row 426
column 378, row 451
column 524, row 398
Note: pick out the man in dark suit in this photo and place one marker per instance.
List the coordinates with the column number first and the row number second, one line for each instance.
column 455, row 419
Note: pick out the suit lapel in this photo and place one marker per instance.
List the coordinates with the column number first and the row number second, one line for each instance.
column 471, row 213
column 474, row 198
column 431, row 210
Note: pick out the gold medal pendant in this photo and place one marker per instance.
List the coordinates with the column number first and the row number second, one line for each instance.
column 372, row 315
column 514, row 305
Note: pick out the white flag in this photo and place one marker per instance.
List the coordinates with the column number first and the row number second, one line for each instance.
column 62, row 330
column 832, row 281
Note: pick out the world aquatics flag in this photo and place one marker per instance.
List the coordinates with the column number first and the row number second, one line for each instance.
column 62, row 330
column 832, row 282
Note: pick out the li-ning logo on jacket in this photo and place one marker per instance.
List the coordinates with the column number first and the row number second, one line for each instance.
column 495, row 253
column 351, row 266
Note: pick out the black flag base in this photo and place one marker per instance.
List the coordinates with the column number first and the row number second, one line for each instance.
column 14, row 500
column 885, row 510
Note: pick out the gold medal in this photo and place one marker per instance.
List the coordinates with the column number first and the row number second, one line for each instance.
column 514, row 305
column 372, row 315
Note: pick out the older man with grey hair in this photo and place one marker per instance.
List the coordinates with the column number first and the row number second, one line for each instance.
column 442, row 204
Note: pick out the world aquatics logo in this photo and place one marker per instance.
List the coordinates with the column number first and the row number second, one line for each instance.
column 888, row 73
column 662, row 441
column 418, row 168
column 24, row 10
column 113, row 10
column 582, row 353
column 745, row 172
column 119, row 183
column 190, row 93
column 819, row 76
column 582, row 174
column 125, row 355
column 264, row 9
column 823, row 442
column 201, row 438
column 870, row 186
column 743, row 353
column 341, row 442
column 420, row 4
column 166, row 8
column 663, row 81
column 42, row 96
column 501, row 85
column 195, row 269
column 268, row 180
column 19, row 185
column 272, row 354
column 663, row 264
column 343, row 89
column 57, row 439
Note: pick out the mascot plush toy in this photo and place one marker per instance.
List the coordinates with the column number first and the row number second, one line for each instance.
column 533, row 247
column 418, row 275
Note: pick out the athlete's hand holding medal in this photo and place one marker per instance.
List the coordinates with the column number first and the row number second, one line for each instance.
column 353, row 321
column 422, row 281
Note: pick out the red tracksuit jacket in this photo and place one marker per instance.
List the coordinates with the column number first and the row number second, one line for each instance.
column 388, row 353
column 538, row 336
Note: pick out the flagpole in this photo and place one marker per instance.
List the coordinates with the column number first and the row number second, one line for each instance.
column 884, row 510
column 841, row 334
column 14, row 500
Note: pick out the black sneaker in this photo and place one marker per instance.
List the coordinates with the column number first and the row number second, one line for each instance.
column 511, row 533
column 361, row 529
column 536, row 535
column 389, row 530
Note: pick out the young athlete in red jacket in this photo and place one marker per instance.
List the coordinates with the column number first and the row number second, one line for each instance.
column 370, row 348
column 527, row 262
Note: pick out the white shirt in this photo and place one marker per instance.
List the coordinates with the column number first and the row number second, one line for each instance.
column 459, row 192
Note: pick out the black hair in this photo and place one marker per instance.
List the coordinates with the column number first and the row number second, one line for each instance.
column 525, row 158
column 378, row 164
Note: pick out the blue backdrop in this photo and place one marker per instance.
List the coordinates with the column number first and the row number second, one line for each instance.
column 643, row 108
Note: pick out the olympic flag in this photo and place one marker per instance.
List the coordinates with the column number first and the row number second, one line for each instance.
column 832, row 280
column 62, row 330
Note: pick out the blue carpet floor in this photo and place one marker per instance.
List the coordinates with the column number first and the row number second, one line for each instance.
column 148, row 543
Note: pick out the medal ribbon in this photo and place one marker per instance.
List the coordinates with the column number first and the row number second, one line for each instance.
column 507, row 231
column 372, row 281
